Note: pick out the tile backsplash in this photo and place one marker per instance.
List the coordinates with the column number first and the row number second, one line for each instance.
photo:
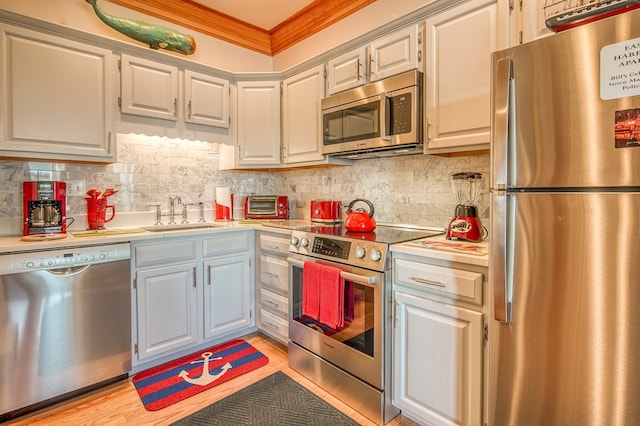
column 412, row 189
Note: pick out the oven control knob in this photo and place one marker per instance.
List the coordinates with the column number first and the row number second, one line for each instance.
column 294, row 240
column 304, row 242
column 375, row 255
column 360, row 252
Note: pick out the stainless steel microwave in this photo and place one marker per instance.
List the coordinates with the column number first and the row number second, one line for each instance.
column 378, row 119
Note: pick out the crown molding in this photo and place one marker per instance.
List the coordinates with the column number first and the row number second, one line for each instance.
column 317, row 16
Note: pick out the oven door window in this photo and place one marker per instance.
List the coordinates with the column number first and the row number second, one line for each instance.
column 359, row 308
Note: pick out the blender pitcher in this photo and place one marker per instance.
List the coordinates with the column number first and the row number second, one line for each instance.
column 466, row 224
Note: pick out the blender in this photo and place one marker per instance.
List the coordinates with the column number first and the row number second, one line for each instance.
column 466, row 224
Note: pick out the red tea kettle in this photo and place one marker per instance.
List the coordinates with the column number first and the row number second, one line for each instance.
column 359, row 220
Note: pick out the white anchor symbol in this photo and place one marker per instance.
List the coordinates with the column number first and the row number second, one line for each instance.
column 206, row 377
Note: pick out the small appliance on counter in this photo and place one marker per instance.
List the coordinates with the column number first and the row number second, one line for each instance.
column 466, row 224
column 45, row 207
column 266, row 207
column 326, row 211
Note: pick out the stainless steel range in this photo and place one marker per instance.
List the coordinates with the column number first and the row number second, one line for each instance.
column 350, row 359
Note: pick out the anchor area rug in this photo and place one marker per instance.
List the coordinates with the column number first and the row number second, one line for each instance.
column 174, row 381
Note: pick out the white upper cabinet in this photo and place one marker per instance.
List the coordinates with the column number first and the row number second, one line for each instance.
column 347, row 71
column 152, row 89
column 393, row 54
column 459, row 43
column 149, row 88
column 55, row 98
column 396, row 53
column 206, row 100
column 302, row 94
column 258, row 123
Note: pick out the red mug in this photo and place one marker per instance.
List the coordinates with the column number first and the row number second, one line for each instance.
column 97, row 212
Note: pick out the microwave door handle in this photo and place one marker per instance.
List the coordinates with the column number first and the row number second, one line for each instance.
column 385, row 116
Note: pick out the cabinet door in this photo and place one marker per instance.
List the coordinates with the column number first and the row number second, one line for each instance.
column 437, row 371
column 167, row 309
column 302, row 118
column 149, row 88
column 346, row 71
column 459, row 43
column 227, row 292
column 395, row 53
column 56, row 98
column 206, row 100
column 258, row 123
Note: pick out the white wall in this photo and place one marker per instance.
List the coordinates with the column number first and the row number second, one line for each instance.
column 79, row 14
column 363, row 21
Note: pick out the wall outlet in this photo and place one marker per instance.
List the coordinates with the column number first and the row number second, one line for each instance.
column 75, row 188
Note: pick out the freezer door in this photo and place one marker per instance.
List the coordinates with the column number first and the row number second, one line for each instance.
column 560, row 131
column 568, row 352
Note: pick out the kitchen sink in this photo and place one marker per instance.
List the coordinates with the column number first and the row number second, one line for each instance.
column 179, row 227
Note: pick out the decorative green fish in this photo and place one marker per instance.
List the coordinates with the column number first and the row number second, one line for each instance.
column 156, row 36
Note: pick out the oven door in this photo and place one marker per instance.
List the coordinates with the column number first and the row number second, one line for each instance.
column 358, row 346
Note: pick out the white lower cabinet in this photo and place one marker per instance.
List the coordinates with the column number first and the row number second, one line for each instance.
column 272, row 284
column 437, row 361
column 189, row 292
column 227, row 295
column 438, row 343
column 167, row 309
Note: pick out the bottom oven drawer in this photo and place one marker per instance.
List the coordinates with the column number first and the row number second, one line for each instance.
column 274, row 325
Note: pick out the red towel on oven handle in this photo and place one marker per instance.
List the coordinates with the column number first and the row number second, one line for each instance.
column 331, row 297
column 311, row 272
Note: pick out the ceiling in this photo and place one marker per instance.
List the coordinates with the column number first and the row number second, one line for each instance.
column 267, row 27
column 263, row 14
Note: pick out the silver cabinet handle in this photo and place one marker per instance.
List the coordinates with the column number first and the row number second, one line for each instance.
column 428, row 282
column 275, row 305
column 271, row 326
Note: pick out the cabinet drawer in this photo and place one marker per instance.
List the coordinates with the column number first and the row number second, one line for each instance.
column 274, row 325
column 274, row 273
column 447, row 282
column 274, row 244
column 274, row 301
column 163, row 253
column 226, row 244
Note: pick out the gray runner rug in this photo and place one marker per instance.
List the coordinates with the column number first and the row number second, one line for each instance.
column 275, row 400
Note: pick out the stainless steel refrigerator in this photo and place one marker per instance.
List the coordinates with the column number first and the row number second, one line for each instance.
column 564, row 322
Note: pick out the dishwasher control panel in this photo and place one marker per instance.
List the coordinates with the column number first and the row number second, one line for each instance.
column 63, row 258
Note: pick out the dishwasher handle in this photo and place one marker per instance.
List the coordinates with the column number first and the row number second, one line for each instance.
column 69, row 271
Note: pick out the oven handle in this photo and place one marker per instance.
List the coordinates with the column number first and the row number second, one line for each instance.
column 355, row 278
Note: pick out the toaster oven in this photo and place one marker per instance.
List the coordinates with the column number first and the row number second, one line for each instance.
column 266, row 207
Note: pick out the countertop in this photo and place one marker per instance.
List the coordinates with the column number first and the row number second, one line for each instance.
column 423, row 247
column 470, row 253
column 14, row 243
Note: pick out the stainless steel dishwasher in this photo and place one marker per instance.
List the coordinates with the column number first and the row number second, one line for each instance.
column 65, row 323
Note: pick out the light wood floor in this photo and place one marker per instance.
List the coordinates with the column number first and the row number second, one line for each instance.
column 119, row 404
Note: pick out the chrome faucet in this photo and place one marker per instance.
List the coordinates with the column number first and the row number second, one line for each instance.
column 172, row 208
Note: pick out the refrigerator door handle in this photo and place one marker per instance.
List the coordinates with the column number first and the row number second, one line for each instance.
column 502, row 80
column 501, row 260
